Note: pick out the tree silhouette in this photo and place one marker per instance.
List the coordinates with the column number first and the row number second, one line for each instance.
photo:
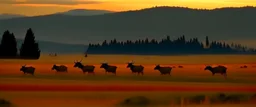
column 8, row 47
column 207, row 42
column 29, row 48
column 167, row 46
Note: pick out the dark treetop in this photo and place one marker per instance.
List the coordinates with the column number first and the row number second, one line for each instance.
column 167, row 47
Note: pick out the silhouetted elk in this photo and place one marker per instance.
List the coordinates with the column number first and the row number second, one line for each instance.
column 180, row 66
column 109, row 68
column 135, row 68
column 61, row 68
column 243, row 66
column 53, row 55
column 219, row 69
column 163, row 70
column 28, row 70
column 85, row 68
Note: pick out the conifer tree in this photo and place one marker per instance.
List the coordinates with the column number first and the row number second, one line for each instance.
column 29, row 48
column 207, row 42
column 8, row 47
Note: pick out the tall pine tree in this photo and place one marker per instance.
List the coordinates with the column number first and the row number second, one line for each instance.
column 29, row 48
column 8, row 47
column 207, row 42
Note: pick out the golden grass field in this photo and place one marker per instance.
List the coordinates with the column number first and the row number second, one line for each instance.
column 75, row 89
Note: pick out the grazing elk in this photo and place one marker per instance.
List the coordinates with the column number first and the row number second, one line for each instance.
column 61, row 68
column 28, row 70
column 243, row 66
column 53, row 55
column 85, row 68
column 180, row 66
column 109, row 68
column 135, row 68
column 219, row 69
column 163, row 70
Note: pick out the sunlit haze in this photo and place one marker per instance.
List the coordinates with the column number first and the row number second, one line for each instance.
column 42, row 7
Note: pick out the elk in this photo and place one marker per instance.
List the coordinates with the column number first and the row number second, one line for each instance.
column 28, row 70
column 243, row 66
column 163, row 70
column 85, row 68
column 180, row 66
column 53, row 55
column 135, row 68
column 109, row 68
column 219, row 69
column 61, row 68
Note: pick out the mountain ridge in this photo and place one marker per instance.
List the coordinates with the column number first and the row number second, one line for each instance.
column 219, row 24
column 84, row 12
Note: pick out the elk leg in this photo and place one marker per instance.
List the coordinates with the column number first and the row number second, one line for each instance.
column 213, row 74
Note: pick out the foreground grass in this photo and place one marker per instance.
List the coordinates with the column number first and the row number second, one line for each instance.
column 106, row 99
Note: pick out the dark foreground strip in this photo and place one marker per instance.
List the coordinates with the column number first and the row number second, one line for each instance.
column 34, row 87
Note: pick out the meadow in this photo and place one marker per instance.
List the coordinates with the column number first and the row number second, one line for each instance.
column 48, row 88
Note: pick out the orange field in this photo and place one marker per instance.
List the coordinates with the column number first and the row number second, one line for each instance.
column 191, row 78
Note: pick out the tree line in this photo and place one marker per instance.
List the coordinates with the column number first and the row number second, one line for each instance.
column 167, row 46
column 28, row 50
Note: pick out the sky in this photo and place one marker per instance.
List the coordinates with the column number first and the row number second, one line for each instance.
column 42, row 7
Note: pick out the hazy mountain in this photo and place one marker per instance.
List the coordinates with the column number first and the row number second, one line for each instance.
column 84, row 12
column 59, row 48
column 9, row 16
column 53, row 47
column 232, row 24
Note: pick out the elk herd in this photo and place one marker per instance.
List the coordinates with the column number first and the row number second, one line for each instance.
column 135, row 69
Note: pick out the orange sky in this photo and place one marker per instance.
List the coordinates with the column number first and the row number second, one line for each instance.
column 41, row 7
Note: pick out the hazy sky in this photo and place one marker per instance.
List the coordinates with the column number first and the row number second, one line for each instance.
column 40, row 7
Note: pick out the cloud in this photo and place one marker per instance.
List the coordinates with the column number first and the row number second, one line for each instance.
column 55, row 2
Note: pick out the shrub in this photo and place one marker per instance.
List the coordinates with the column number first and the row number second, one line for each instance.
column 223, row 98
column 4, row 103
column 138, row 101
column 196, row 99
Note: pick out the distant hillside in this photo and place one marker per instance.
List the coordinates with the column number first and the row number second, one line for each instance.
column 84, row 12
column 59, row 48
column 232, row 24
column 9, row 16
